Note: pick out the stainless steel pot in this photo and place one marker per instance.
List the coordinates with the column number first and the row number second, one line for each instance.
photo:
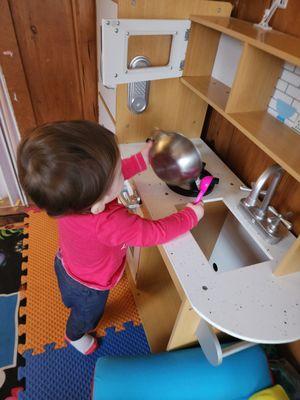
column 174, row 158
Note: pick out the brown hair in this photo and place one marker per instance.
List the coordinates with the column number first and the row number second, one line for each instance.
column 65, row 167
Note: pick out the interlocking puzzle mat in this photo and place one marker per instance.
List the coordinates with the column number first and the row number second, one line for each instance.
column 11, row 245
column 10, row 260
column 66, row 374
column 45, row 313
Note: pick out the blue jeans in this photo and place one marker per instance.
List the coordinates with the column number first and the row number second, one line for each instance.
column 87, row 305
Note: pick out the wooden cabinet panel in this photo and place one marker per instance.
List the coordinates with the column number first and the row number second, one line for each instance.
column 156, row 48
column 84, row 19
column 284, row 20
column 172, row 107
column 45, row 34
column 201, row 51
column 48, row 56
column 13, row 71
column 172, row 9
column 250, row 10
column 259, row 67
column 288, row 20
column 156, row 297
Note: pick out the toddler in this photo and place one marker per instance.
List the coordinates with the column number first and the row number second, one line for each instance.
column 74, row 171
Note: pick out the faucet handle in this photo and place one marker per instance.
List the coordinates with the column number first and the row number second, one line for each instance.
column 279, row 218
column 129, row 196
column 247, row 189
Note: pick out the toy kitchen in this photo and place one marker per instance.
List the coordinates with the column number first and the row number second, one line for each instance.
column 236, row 276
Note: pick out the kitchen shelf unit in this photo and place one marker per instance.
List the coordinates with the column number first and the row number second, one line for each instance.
column 168, row 318
column 245, row 103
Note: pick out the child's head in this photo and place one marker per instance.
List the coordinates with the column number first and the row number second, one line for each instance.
column 70, row 167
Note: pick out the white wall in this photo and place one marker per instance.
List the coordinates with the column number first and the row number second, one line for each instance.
column 9, row 139
column 227, row 59
column 3, row 187
column 105, row 9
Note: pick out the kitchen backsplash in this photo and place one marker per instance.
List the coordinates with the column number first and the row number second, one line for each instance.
column 285, row 102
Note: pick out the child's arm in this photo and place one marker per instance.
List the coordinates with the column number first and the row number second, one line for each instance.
column 124, row 228
column 137, row 163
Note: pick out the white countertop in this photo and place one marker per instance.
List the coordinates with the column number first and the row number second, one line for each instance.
column 249, row 303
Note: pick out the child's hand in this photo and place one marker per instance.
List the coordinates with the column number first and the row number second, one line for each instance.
column 145, row 151
column 197, row 208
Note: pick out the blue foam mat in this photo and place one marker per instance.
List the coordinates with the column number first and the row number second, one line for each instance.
column 65, row 374
column 8, row 333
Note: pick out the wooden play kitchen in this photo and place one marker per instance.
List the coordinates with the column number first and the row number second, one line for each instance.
column 224, row 276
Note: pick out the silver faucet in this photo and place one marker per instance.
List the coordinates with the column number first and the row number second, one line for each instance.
column 274, row 171
column 129, row 196
column 258, row 212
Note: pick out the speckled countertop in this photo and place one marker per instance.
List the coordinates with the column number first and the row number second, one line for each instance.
column 249, row 303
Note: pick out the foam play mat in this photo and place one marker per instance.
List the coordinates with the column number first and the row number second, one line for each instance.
column 51, row 369
column 11, row 245
column 64, row 373
column 45, row 313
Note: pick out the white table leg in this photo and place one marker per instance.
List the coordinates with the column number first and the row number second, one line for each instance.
column 211, row 347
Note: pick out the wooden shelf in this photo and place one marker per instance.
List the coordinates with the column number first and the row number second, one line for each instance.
column 214, row 92
column 273, row 42
column 269, row 134
column 245, row 103
column 272, row 136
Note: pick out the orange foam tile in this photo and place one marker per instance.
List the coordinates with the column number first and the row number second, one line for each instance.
column 45, row 313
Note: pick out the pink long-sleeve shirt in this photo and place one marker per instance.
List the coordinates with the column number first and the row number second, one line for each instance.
column 93, row 247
